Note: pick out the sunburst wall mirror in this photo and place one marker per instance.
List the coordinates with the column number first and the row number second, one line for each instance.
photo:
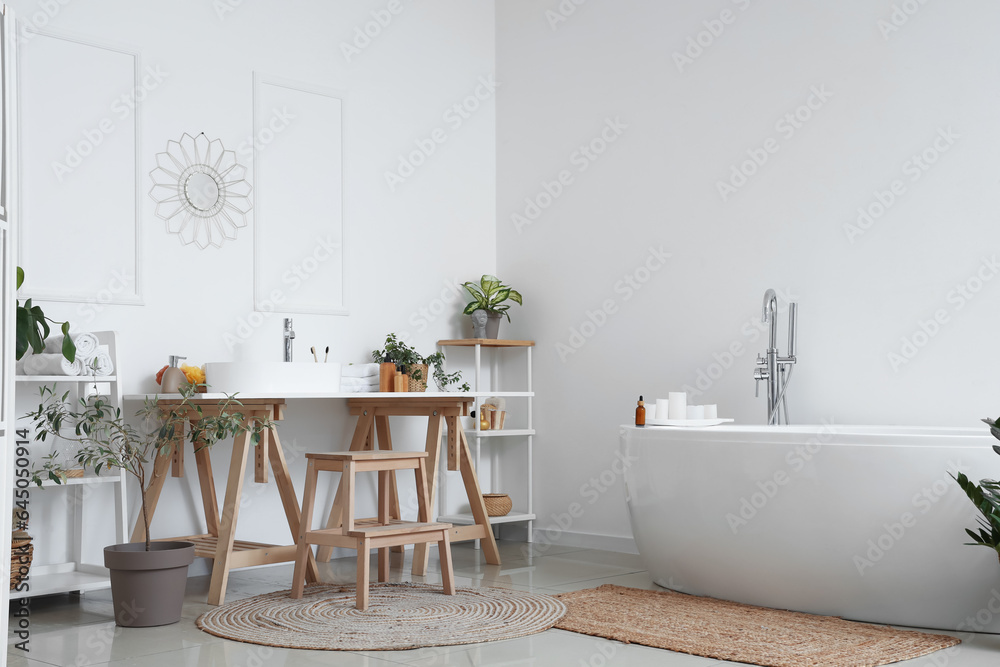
column 201, row 191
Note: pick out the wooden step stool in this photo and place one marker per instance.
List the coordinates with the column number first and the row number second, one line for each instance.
column 366, row 534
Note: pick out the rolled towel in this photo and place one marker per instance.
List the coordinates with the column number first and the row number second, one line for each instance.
column 359, row 371
column 355, row 389
column 359, row 382
column 86, row 344
column 100, row 363
column 51, row 364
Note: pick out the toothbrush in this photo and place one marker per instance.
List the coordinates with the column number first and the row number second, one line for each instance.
column 313, row 350
column 327, row 355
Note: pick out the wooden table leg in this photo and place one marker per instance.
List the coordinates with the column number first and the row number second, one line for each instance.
column 283, row 480
column 303, row 549
column 361, row 434
column 230, row 513
column 488, row 543
column 261, row 454
column 385, row 443
column 152, row 492
column 206, row 481
column 433, row 449
column 177, row 464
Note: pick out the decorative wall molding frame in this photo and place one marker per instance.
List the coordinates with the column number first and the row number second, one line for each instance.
column 80, row 162
column 300, row 237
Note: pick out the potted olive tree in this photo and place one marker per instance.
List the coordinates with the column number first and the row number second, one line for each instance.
column 147, row 579
column 489, row 296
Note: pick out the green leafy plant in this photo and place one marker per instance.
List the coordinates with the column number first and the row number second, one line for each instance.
column 986, row 497
column 490, row 295
column 105, row 440
column 398, row 352
column 49, row 468
column 33, row 328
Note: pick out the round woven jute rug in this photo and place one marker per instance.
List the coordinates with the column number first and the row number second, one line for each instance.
column 399, row 616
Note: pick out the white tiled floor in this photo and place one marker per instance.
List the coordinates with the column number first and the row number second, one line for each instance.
column 78, row 631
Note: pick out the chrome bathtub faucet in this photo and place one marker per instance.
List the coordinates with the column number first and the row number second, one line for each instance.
column 775, row 370
column 289, row 336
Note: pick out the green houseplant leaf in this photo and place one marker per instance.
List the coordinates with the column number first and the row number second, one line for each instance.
column 986, row 498
column 490, row 295
column 32, row 328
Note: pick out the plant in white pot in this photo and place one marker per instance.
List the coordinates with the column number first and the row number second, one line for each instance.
column 490, row 296
column 147, row 579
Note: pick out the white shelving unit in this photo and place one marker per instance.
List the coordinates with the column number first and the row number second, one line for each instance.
column 79, row 573
column 523, row 511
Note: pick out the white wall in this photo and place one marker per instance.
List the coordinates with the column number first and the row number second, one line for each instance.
column 892, row 93
column 404, row 246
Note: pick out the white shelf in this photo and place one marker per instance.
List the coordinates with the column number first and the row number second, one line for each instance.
column 500, row 433
column 61, row 582
column 468, row 519
column 79, row 481
column 86, row 513
column 65, row 378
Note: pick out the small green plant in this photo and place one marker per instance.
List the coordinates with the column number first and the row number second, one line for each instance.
column 105, row 440
column 986, row 497
column 33, row 328
column 49, row 468
column 398, row 352
column 490, row 295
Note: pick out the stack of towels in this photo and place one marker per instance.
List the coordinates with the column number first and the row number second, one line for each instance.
column 358, row 378
column 92, row 358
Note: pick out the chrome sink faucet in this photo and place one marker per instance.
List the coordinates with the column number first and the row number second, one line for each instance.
column 289, row 336
column 773, row 369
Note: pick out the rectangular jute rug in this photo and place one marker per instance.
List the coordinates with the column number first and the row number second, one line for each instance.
column 738, row 632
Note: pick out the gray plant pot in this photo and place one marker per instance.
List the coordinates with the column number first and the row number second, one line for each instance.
column 147, row 587
column 493, row 325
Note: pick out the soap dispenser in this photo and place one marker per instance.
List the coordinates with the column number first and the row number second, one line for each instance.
column 173, row 377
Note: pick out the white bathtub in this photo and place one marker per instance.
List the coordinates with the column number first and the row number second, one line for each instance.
column 859, row 522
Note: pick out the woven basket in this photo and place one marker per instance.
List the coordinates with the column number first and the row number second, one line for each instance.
column 21, row 552
column 497, row 504
column 74, row 472
column 421, row 384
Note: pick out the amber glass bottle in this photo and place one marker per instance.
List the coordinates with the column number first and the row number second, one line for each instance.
column 640, row 413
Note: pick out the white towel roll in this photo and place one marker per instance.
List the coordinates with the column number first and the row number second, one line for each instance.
column 51, row 364
column 86, row 344
column 359, row 382
column 99, row 363
column 359, row 371
column 356, row 389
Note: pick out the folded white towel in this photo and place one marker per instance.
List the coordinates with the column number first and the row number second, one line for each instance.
column 99, row 363
column 51, row 364
column 359, row 371
column 355, row 389
column 359, row 382
column 86, row 344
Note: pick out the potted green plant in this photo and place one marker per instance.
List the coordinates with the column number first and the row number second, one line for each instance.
column 490, row 295
column 147, row 579
column 986, row 497
column 417, row 365
column 33, row 328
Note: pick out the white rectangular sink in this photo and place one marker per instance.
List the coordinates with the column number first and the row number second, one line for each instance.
column 274, row 378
